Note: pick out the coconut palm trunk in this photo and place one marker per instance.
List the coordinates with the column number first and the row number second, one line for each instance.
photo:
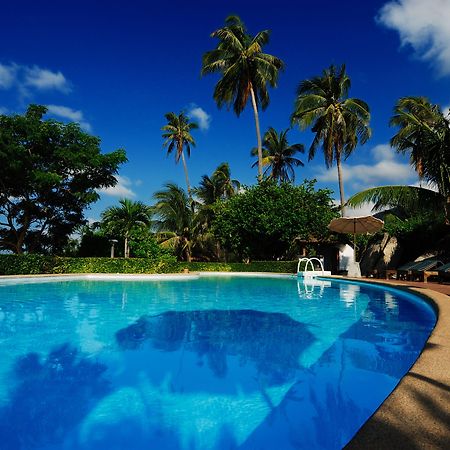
column 126, row 252
column 341, row 183
column 258, row 133
column 183, row 159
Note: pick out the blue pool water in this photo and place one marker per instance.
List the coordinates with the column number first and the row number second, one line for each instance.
column 207, row 363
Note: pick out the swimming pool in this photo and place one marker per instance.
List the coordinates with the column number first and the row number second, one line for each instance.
column 210, row 362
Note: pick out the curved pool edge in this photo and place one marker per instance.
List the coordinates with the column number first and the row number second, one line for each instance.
column 415, row 415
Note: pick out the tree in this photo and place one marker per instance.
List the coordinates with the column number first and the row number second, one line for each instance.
column 424, row 132
column 175, row 220
column 278, row 156
column 124, row 219
column 178, row 137
column 218, row 186
column 245, row 71
column 263, row 221
column 49, row 173
column 339, row 122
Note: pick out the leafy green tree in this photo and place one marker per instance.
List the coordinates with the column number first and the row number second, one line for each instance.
column 264, row 221
column 123, row 220
column 338, row 122
column 49, row 173
column 143, row 244
column 175, row 221
column 177, row 135
column 424, row 133
column 245, row 71
column 278, row 156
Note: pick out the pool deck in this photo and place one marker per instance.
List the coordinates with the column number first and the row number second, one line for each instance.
column 417, row 413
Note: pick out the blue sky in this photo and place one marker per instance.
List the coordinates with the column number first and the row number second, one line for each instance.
column 117, row 67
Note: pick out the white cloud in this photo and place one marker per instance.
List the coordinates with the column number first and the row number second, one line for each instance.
column 424, row 25
column 201, row 116
column 44, row 79
column 27, row 79
column 7, row 76
column 71, row 114
column 364, row 210
column 122, row 189
column 385, row 170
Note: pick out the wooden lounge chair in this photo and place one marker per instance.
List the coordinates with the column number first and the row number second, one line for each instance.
column 400, row 271
column 443, row 272
column 425, row 269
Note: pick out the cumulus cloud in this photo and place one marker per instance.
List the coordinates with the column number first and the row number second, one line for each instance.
column 385, row 170
column 200, row 116
column 44, row 79
column 423, row 25
column 122, row 189
column 32, row 78
column 7, row 75
column 71, row 114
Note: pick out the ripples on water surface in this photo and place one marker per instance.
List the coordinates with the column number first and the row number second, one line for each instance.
column 208, row 363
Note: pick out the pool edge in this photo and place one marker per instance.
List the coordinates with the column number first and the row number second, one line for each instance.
column 415, row 414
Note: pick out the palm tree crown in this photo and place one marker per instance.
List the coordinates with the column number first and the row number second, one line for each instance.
column 218, row 186
column 424, row 132
column 175, row 219
column 246, row 70
column 339, row 122
column 278, row 156
column 125, row 218
column 177, row 135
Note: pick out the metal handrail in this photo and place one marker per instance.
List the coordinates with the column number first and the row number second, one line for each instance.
column 309, row 261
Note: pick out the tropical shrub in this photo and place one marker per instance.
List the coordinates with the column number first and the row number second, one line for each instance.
column 37, row 264
column 264, row 221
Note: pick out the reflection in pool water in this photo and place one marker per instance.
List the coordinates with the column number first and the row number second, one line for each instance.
column 211, row 363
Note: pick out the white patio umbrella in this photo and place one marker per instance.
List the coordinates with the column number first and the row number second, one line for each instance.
column 356, row 225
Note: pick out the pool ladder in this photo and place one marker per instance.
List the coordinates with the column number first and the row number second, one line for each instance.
column 312, row 273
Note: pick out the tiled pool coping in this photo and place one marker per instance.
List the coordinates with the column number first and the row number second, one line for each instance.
column 417, row 413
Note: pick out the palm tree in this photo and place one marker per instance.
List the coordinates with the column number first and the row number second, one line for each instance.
column 278, row 156
column 177, row 135
column 176, row 219
column 339, row 122
column 424, row 132
column 125, row 218
column 218, row 186
column 245, row 71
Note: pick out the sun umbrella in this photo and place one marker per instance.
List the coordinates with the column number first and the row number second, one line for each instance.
column 356, row 225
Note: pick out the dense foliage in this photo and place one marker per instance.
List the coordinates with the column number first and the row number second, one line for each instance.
column 49, row 173
column 38, row 264
column 266, row 220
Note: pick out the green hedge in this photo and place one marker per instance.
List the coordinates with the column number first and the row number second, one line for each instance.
column 37, row 264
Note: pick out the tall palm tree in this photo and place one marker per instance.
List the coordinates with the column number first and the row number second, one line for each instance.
column 219, row 186
column 176, row 219
column 177, row 135
column 424, row 132
column 339, row 122
column 245, row 71
column 278, row 156
column 125, row 218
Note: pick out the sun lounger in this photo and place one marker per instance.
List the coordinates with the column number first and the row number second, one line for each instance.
column 443, row 271
column 400, row 271
column 425, row 269
column 415, row 269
